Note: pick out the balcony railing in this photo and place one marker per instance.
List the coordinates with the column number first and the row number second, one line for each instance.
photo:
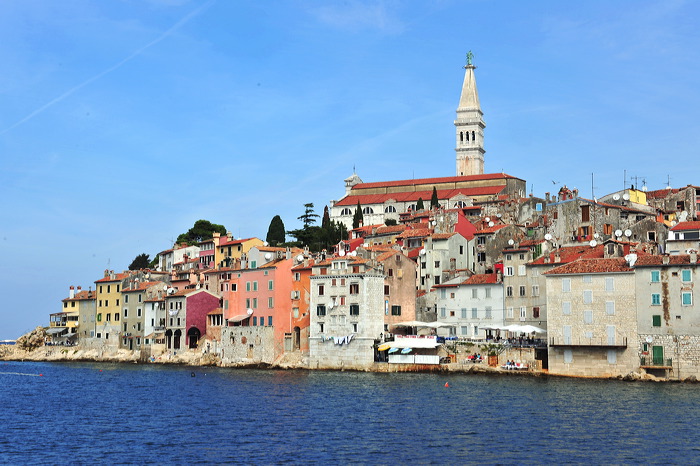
column 651, row 362
column 601, row 342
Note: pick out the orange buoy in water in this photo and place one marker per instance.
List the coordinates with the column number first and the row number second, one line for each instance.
column 447, row 385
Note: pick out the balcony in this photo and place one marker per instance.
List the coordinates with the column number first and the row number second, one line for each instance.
column 601, row 342
column 650, row 362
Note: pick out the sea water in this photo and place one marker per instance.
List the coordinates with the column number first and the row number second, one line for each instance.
column 80, row 413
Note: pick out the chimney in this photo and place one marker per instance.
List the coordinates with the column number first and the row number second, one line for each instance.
column 546, row 197
column 79, row 289
column 665, row 259
column 71, row 293
column 557, row 257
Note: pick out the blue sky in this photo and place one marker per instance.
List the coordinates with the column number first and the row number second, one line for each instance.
column 124, row 122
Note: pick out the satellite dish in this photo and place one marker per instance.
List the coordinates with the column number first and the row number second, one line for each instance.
column 596, row 235
column 300, row 258
column 365, row 245
column 618, row 233
column 593, row 243
column 626, row 197
column 197, row 287
column 487, row 219
column 644, row 188
column 422, row 252
column 491, row 224
column 330, row 305
column 498, row 215
column 616, row 197
column 548, row 237
column 165, row 287
column 434, row 223
column 353, row 253
column 268, row 256
column 265, row 243
column 628, row 233
column 249, row 312
column 683, row 216
column 650, row 339
column 341, row 253
column 511, row 242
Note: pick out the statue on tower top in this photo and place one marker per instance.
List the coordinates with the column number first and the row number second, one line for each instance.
column 470, row 57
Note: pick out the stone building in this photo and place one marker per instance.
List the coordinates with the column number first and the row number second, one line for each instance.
column 347, row 313
column 78, row 315
column 592, row 318
column 683, row 238
column 525, row 297
column 679, row 205
column 668, row 318
column 135, row 296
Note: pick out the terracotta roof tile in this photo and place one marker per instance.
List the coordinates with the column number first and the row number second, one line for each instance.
column 490, row 230
column 117, row 278
column 481, row 279
column 614, row 265
column 684, row 226
column 658, row 260
column 413, row 196
column 415, row 233
column 570, row 253
column 423, row 181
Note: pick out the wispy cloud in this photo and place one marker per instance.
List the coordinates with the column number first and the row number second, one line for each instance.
column 358, row 16
column 116, row 66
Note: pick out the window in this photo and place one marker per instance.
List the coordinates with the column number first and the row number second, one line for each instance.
column 656, row 299
column 522, row 291
column 567, row 334
column 443, row 293
column 474, row 293
column 535, row 290
column 464, row 313
column 126, row 298
column 395, row 310
column 255, row 285
column 587, row 317
column 354, row 288
column 508, row 271
column 367, row 210
column 270, row 285
column 536, row 312
column 247, row 286
column 587, row 279
column 270, row 303
column 656, row 321
column 610, row 308
column 255, row 321
column 612, row 356
column 521, row 270
column 523, row 313
column 481, row 257
column 609, row 284
column 687, row 298
column 587, row 296
column 686, row 275
column 391, row 271
column 126, row 313
column 320, row 310
column 253, row 264
column 443, row 312
column 437, row 264
column 566, row 284
column 488, row 312
column 509, row 291
column 390, row 209
column 509, row 312
column 487, row 292
column 386, row 290
column 655, row 276
column 321, row 290
column 345, row 211
column 269, row 321
column 475, row 313
column 566, row 308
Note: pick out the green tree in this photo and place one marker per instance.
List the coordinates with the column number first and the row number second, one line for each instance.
column 326, row 221
column 434, row 201
column 390, row 221
column 309, row 217
column 154, row 263
column 419, row 205
column 276, row 232
column 357, row 219
column 202, row 229
column 141, row 261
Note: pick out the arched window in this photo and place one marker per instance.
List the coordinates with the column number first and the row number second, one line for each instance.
column 411, row 208
column 460, row 204
column 467, row 135
column 346, row 211
column 390, row 209
column 367, row 210
column 473, row 138
column 461, row 136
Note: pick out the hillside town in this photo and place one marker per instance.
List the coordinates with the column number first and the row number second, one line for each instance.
column 453, row 271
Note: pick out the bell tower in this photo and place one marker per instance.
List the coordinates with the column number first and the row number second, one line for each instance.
column 470, row 126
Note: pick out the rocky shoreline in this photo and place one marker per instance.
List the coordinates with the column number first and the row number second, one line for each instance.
column 197, row 359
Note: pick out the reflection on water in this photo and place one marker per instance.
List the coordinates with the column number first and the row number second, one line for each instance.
column 119, row 413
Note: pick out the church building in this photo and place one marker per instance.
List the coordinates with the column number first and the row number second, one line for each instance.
column 385, row 200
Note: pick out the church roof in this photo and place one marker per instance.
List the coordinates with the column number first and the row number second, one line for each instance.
column 432, row 181
column 470, row 96
column 413, row 196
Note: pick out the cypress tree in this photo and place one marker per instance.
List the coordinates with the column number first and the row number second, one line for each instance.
column 275, row 233
column 357, row 219
column 434, row 201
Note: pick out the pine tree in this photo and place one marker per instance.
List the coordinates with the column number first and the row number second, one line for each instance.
column 357, row 219
column 434, row 201
column 276, row 232
column 419, row 204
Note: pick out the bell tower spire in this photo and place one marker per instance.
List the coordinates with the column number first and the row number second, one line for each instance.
column 470, row 126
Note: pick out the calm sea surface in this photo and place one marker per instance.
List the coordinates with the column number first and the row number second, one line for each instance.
column 139, row 414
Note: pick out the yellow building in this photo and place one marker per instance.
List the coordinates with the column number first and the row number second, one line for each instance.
column 230, row 252
column 108, row 295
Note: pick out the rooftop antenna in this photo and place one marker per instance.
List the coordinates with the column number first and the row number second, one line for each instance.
column 592, row 188
column 624, row 181
column 668, row 181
